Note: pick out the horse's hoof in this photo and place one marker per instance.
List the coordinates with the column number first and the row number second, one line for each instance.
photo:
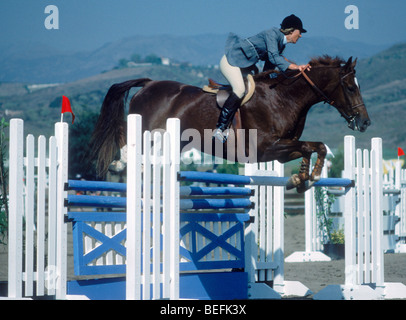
column 293, row 182
column 304, row 186
column 315, row 178
column 117, row 166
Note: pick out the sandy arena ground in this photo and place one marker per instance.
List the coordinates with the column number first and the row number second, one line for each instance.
column 317, row 275
column 314, row 275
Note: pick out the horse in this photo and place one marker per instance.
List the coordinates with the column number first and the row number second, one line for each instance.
column 277, row 110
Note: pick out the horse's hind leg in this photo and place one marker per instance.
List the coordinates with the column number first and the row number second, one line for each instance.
column 119, row 165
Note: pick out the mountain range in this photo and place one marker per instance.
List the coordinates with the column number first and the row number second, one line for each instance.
column 30, row 62
column 86, row 77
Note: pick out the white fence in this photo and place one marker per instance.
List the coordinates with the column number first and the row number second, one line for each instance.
column 38, row 241
column 396, row 181
column 394, row 217
column 363, row 228
column 265, row 238
column 152, row 170
column 36, row 262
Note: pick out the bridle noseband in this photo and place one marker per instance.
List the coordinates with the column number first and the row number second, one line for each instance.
column 350, row 119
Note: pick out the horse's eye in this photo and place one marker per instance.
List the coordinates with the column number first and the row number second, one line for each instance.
column 351, row 88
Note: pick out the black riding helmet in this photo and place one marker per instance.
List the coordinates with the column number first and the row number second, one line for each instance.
column 293, row 22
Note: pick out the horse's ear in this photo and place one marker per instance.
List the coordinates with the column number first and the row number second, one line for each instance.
column 354, row 63
column 348, row 64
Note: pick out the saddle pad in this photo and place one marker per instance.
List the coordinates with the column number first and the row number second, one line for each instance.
column 222, row 95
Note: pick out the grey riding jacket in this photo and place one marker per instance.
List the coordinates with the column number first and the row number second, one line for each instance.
column 267, row 46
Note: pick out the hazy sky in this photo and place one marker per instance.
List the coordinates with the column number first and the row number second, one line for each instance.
column 88, row 24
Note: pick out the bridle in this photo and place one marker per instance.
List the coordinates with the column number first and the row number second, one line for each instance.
column 349, row 118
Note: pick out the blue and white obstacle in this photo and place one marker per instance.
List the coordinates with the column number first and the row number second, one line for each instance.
column 171, row 242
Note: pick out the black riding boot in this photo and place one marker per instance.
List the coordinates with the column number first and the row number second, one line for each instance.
column 227, row 113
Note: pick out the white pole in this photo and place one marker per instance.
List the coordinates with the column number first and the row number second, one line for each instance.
column 173, row 127
column 349, row 212
column 134, row 167
column 279, row 198
column 15, row 227
column 62, row 141
column 377, row 235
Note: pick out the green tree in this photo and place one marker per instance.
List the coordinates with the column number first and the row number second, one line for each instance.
column 79, row 138
column 152, row 58
column 122, row 63
column 337, row 164
column 136, row 58
column 3, row 182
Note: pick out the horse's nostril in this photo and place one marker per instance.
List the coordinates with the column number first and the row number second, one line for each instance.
column 365, row 125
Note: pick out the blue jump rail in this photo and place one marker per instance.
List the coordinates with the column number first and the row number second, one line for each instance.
column 225, row 178
column 81, row 185
column 216, row 191
column 185, row 204
column 96, row 201
column 94, row 186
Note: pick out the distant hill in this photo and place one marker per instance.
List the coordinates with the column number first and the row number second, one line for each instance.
column 384, row 67
column 35, row 63
column 40, row 108
column 381, row 76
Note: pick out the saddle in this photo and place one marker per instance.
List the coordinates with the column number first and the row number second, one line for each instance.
column 222, row 91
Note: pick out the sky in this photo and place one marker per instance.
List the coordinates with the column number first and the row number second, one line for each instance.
column 89, row 24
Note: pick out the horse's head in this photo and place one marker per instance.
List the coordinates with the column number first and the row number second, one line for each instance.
column 348, row 100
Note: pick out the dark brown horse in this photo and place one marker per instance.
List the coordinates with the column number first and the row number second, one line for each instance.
column 278, row 111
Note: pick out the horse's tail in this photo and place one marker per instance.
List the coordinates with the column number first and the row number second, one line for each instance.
column 110, row 130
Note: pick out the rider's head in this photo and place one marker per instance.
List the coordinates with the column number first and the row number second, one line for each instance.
column 292, row 28
column 290, row 23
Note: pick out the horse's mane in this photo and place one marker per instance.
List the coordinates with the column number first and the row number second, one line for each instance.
column 322, row 61
column 326, row 60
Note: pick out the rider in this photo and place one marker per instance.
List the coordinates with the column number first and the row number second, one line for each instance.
column 242, row 54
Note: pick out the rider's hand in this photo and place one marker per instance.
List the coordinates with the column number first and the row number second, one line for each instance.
column 301, row 68
column 304, row 67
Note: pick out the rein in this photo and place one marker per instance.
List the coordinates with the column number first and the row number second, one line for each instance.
column 315, row 88
column 350, row 119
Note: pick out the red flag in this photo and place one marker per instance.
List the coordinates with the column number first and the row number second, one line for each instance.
column 66, row 107
column 400, row 152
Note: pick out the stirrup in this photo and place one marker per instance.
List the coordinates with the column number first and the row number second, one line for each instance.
column 220, row 135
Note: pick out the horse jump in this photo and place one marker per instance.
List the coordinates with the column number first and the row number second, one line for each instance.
column 254, row 273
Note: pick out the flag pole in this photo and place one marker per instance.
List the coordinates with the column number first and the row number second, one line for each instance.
column 66, row 107
column 400, row 153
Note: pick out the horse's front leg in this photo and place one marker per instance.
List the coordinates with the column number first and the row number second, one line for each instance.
column 307, row 181
column 321, row 156
column 287, row 150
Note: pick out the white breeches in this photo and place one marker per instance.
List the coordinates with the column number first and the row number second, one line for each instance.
column 234, row 76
